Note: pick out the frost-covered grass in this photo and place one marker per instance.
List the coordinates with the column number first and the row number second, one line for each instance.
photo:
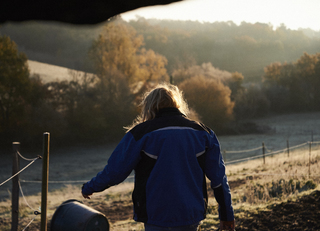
column 279, row 179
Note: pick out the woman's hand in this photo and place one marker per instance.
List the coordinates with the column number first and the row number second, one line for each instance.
column 227, row 225
column 86, row 196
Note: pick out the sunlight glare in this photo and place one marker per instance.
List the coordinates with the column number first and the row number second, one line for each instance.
column 294, row 14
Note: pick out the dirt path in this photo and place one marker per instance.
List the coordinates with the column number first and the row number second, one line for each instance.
column 303, row 214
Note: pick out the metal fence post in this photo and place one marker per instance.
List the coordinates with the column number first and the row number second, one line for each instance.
column 45, row 179
column 263, row 152
column 309, row 157
column 15, row 187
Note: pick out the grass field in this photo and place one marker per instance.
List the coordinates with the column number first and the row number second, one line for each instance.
column 48, row 72
column 255, row 186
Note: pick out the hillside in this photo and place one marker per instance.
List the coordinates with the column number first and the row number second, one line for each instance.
column 49, row 72
column 246, row 48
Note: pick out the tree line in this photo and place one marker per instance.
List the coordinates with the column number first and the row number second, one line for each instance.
column 91, row 107
column 95, row 107
column 246, row 48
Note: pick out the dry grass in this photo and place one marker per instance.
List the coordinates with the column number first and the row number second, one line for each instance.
column 279, row 179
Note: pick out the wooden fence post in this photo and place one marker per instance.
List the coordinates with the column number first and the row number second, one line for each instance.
column 171, row 79
column 15, row 187
column 288, row 148
column 263, row 152
column 45, row 179
column 224, row 155
column 309, row 157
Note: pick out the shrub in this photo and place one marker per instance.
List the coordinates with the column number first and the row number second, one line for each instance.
column 210, row 98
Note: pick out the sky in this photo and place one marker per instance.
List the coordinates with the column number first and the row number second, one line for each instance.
column 293, row 13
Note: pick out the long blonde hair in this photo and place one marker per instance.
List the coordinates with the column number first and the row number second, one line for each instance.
column 162, row 96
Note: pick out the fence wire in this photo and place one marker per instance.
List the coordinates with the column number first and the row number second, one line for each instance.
column 10, row 178
column 35, row 212
column 243, row 151
column 20, row 171
column 24, row 198
column 269, row 152
column 62, row 181
column 27, row 159
column 29, row 223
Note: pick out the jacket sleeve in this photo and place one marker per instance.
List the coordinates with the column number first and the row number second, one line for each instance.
column 120, row 164
column 215, row 171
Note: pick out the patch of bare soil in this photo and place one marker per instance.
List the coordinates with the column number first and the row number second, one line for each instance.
column 117, row 210
column 123, row 210
column 303, row 214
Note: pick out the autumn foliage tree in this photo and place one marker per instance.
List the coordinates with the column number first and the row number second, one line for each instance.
column 119, row 49
column 297, row 81
column 210, row 98
column 124, row 69
column 90, row 107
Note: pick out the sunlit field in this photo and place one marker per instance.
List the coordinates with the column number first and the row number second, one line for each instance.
column 256, row 184
column 49, row 73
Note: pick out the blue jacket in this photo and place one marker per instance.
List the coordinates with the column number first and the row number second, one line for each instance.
column 171, row 155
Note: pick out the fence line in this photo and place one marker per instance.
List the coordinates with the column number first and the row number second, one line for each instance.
column 270, row 152
column 299, row 145
column 284, row 150
column 255, row 157
column 17, row 153
column 279, row 151
column 267, row 154
column 262, row 174
column 56, row 182
column 242, row 151
column 243, row 159
column 62, row 181
column 20, row 170
column 257, row 148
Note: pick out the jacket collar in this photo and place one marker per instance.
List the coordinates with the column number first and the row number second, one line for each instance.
column 168, row 111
